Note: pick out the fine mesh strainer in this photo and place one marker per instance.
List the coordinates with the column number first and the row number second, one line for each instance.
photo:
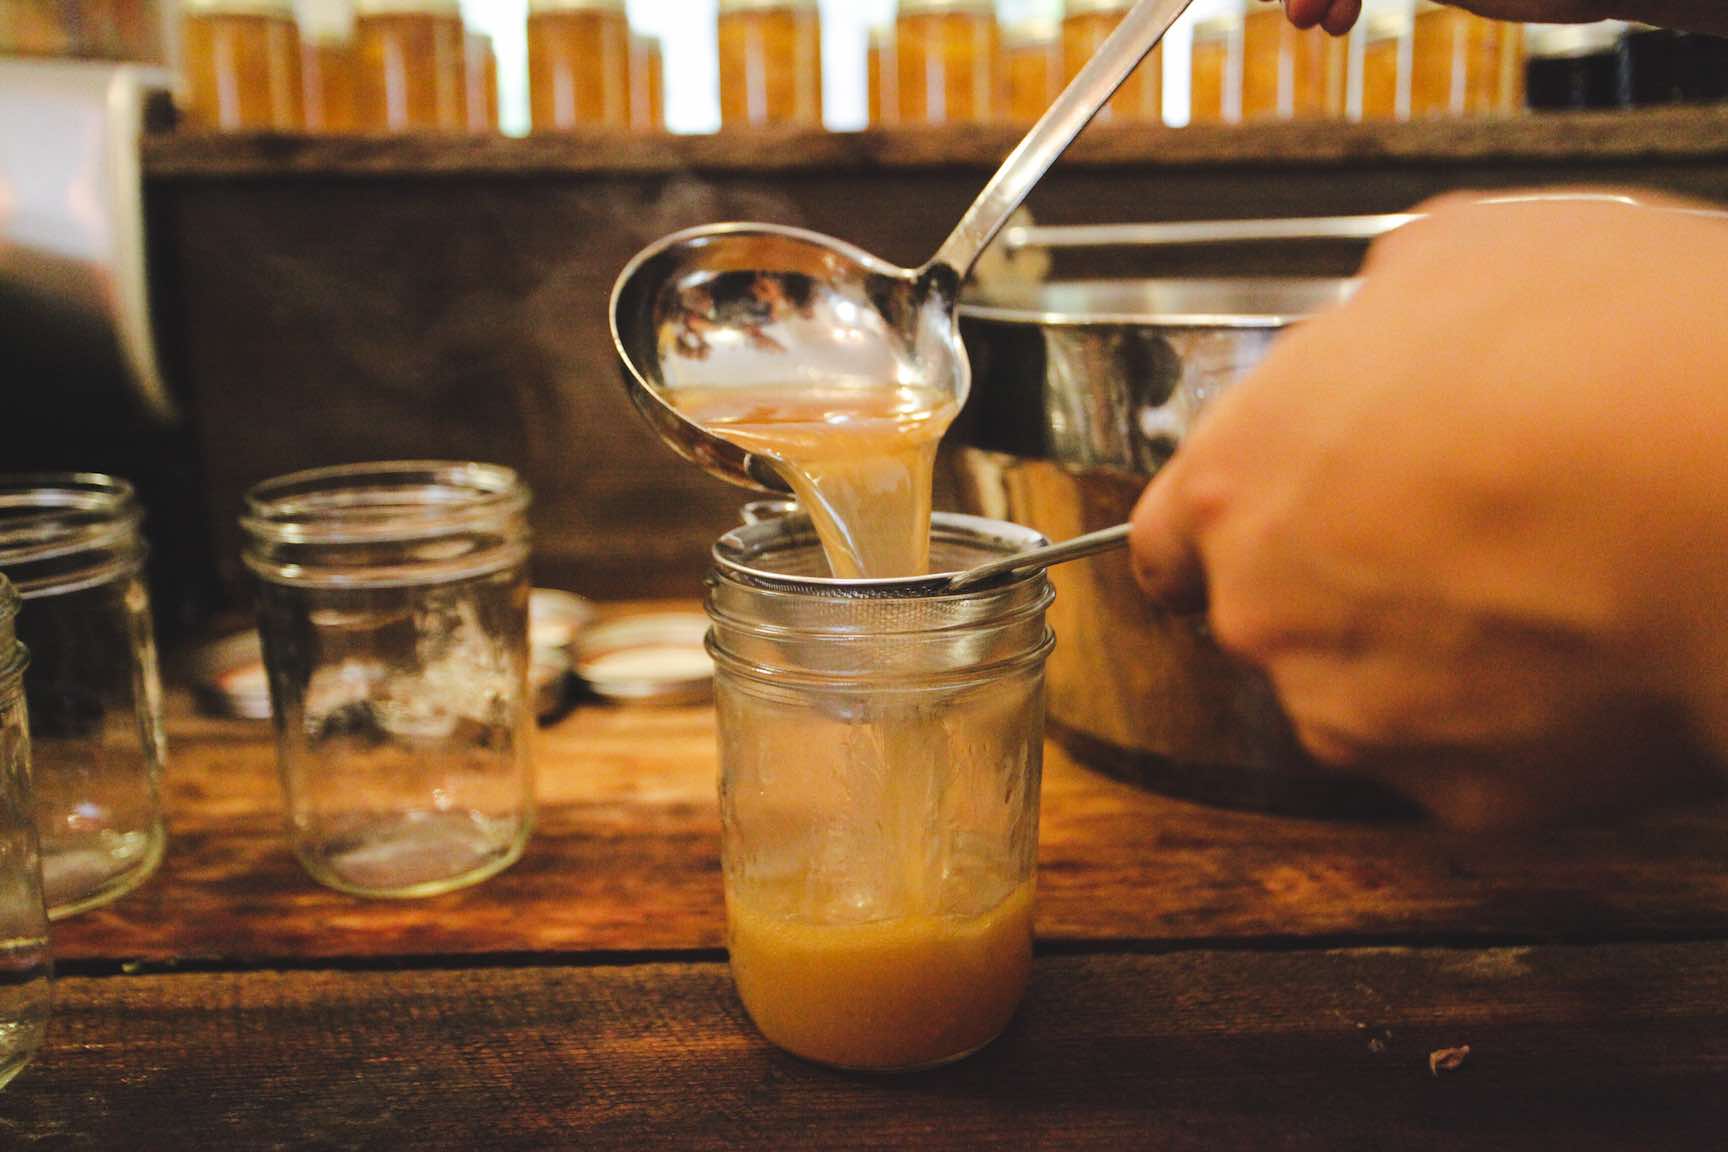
column 775, row 608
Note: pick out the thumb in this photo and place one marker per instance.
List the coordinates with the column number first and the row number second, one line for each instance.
column 1167, row 561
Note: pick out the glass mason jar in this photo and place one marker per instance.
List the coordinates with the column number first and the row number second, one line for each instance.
column 328, row 67
column 1215, row 71
column 412, row 66
column 881, row 745
column 1288, row 73
column 1455, row 67
column 1086, row 24
column 121, row 29
column 327, row 62
column 946, row 59
column 71, row 545
column 38, row 27
column 480, row 73
column 647, row 84
column 1384, row 67
column 770, row 63
column 393, row 605
column 1032, row 55
column 578, row 64
column 240, row 63
column 25, row 963
column 882, row 79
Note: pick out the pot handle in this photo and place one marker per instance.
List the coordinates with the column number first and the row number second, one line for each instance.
column 1299, row 228
column 1199, row 232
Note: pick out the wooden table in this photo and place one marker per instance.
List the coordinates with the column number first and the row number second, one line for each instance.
column 1205, row 979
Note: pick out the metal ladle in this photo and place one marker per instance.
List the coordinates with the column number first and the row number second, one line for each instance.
column 766, row 306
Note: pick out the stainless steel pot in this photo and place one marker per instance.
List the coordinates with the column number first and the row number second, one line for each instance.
column 1082, row 390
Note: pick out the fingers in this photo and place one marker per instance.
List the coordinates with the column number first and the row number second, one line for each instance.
column 1341, row 16
column 1336, row 16
column 1166, row 558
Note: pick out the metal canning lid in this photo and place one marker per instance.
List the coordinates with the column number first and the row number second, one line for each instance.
column 947, row 7
column 1031, row 34
column 439, row 8
column 229, row 677
column 274, row 9
column 660, row 658
column 556, row 619
column 1385, row 23
column 1559, row 41
column 1218, row 27
column 547, row 7
column 729, row 7
column 1097, row 7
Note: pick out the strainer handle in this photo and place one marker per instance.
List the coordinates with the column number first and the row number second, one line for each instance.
column 1080, row 547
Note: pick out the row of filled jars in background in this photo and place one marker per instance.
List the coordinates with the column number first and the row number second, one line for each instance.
column 1252, row 64
column 408, row 65
column 102, row 29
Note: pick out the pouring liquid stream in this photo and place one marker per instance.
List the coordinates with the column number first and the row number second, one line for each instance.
column 860, row 458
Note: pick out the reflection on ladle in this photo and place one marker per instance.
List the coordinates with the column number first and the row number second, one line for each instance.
column 758, row 306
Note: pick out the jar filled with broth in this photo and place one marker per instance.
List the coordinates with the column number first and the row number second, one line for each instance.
column 578, row 64
column 327, row 65
column 647, row 84
column 770, row 63
column 1455, row 62
column 881, row 749
column 240, row 64
column 1384, row 65
column 412, row 66
column 1215, row 71
column 882, row 79
column 480, row 91
column 1289, row 73
column 1086, row 25
column 1033, row 62
column 947, row 56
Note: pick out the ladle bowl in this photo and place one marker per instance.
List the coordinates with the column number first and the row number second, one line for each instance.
column 766, row 307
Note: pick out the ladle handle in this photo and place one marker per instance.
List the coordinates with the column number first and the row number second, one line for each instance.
column 1115, row 60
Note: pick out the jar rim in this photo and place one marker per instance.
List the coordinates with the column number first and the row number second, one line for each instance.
column 52, row 517
column 738, row 553
column 370, row 503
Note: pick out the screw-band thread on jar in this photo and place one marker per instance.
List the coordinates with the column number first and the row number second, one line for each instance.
column 63, row 532
column 388, row 524
column 777, row 621
column 13, row 656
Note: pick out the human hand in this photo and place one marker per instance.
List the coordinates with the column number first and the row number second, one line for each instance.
column 1338, row 16
column 1472, row 523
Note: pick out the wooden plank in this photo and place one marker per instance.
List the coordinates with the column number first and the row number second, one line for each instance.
column 626, row 859
column 1646, row 134
column 1590, row 1048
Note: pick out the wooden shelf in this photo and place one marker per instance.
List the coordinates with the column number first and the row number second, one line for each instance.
column 1670, row 134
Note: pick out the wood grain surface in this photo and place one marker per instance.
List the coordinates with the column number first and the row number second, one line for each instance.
column 1573, row 1048
column 625, row 859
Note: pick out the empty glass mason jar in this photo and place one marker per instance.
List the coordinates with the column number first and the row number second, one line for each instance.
column 24, row 956
column 72, row 547
column 393, row 604
column 881, row 745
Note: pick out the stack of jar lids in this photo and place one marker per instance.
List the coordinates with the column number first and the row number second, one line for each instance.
column 655, row 658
